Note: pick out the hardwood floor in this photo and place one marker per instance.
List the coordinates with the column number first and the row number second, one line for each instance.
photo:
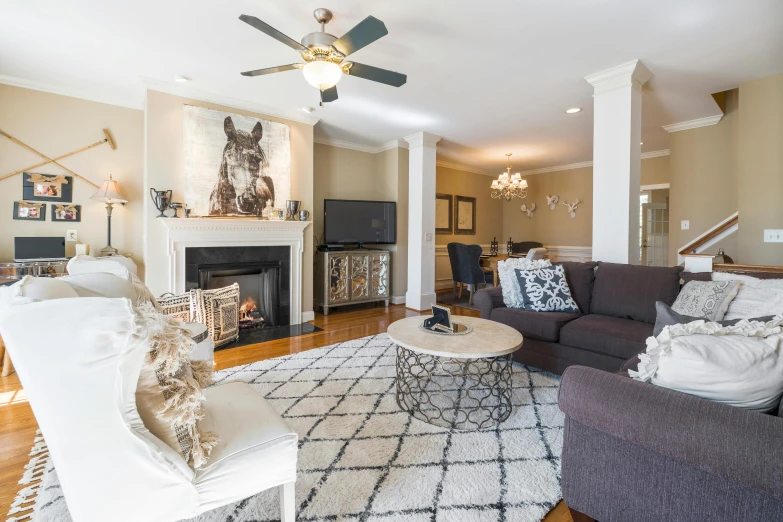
column 18, row 425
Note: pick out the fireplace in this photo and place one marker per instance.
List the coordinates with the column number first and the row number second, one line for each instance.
column 259, row 290
column 262, row 272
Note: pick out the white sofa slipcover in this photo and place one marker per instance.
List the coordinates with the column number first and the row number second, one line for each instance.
column 80, row 375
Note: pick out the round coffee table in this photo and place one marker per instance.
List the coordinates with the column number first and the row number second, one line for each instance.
column 456, row 381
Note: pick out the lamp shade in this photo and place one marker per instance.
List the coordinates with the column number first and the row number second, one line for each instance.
column 109, row 192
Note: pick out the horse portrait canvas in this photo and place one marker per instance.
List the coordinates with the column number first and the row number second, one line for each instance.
column 235, row 165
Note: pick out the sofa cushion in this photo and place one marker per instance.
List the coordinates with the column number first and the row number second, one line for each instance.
column 630, row 291
column 580, row 277
column 544, row 326
column 613, row 336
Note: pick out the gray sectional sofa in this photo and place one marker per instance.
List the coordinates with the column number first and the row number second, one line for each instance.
column 617, row 314
column 632, row 450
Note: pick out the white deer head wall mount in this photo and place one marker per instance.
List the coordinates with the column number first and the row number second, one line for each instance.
column 572, row 207
column 552, row 201
column 528, row 211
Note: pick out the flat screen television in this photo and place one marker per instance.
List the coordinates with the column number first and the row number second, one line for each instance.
column 360, row 222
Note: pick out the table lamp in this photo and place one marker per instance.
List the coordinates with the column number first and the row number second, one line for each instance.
column 110, row 194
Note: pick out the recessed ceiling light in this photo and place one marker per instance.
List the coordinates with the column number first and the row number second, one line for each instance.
column 180, row 78
column 573, row 110
column 308, row 110
column 641, row 143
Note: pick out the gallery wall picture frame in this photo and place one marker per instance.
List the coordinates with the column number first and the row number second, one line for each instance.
column 47, row 187
column 465, row 215
column 25, row 211
column 444, row 212
column 72, row 213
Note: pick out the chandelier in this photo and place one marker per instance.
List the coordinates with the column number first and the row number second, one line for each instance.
column 509, row 185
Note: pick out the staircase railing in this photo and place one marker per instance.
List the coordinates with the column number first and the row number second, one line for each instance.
column 700, row 243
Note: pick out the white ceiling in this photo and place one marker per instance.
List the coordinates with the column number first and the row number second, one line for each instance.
column 490, row 77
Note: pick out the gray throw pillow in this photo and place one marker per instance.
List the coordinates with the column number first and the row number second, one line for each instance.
column 665, row 316
column 707, row 299
column 546, row 290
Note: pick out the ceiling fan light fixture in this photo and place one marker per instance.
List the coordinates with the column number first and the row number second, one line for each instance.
column 322, row 74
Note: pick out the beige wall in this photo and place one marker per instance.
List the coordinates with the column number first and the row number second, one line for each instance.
column 760, row 173
column 164, row 170
column 489, row 212
column 702, row 177
column 348, row 174
column 655, row 171
column 555, row 227
column 55, row 125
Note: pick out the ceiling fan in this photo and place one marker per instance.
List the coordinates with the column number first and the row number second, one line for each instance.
column 325, row 54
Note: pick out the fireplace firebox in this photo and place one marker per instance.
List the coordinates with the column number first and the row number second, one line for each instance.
column 262, row 272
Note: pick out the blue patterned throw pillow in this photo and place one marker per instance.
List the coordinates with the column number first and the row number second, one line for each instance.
column 546, row 290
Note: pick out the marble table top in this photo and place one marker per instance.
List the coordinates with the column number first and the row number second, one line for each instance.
column 488, row 338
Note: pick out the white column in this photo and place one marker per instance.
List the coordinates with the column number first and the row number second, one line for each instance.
column 421, row 221
column 617, row 133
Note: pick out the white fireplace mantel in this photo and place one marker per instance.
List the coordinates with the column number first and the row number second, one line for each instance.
column 184, row 233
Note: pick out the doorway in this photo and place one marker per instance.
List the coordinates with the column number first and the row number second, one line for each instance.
column 654, row 227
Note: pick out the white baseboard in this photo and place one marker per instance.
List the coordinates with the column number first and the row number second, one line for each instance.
column 398, row 299
column 308, row 316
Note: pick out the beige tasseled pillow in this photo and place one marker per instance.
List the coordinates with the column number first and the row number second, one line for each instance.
column 169, row 394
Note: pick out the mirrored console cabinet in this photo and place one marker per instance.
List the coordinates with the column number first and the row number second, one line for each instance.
column 346, row 277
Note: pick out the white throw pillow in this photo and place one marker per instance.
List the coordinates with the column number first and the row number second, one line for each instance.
column 739, row 365
column 100, row 285
column 512, row 295
column 117, row 265
column 756, row 297
column 32, row 289
column 707, row 299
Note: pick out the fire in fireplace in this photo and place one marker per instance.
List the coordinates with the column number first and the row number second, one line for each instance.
column 249, row 315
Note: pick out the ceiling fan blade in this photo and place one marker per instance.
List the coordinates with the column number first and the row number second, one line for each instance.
column 362, row 35
column 271, row 31
column 376, row 74
column 329, row 95
column 270, row 70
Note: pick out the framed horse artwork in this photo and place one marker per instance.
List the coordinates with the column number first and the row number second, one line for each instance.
column 235, row 165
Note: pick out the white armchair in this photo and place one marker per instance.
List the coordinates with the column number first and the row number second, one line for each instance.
column 79, row 362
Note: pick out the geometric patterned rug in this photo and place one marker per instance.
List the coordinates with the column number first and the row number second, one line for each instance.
column 362, row 459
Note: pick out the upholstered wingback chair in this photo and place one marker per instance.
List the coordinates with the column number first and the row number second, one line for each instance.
column 465, row 267
column 79, row 361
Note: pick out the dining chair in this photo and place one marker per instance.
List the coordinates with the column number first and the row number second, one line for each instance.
column 465, row 268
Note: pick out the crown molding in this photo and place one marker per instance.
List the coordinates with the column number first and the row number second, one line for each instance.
column 94, row 94
column 460, row 167
column 583, row 164
column 344, row 144
column 557, row 168
column 633, row 73
column 693, row 124
column 188, row 91
column 370, row 149
column 655, row 154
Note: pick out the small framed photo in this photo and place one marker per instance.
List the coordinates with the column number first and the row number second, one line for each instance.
column 29, row 211
column 443, row 213
column 440, row 320
column 66, row 212
column 47, row 187
column 465, row 219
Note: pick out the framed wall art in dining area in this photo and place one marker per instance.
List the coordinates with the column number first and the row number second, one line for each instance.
column 443, row 213
column 465, row 215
